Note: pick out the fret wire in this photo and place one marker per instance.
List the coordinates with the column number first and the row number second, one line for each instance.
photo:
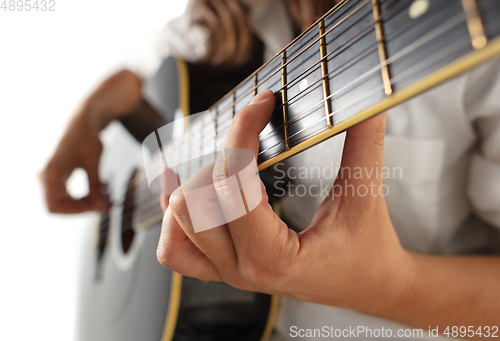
column 324, row 72
column 385, row 63
column 216, row 135
column 305, row 92
column 283, row 99
column 382, row 51
column 474, row 24
column 176, row 151
column 188, row 154
column 380, row 87
column 255, row 84
column 374, row 90
column 326, row 56
column 234, row 103
column 344, row 43
column 306, row 48
column 450, row 24
column 318, row 121
column 200, row 157
column 415, row 69
column 431, row 35
column 399, row 4
column 288, row 61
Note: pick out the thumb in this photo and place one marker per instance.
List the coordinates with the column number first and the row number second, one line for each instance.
column 363, row 155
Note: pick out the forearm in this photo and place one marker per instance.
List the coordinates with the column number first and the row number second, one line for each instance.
column 114, row 98
column 450, row 291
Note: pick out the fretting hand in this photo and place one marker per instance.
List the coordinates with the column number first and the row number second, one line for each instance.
column 349, row 256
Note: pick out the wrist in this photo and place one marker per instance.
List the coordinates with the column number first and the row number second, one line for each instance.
column 389, row 287
column 394, row 287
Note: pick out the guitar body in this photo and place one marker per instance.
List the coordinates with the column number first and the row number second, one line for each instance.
column 360, row 59
column 125, row 293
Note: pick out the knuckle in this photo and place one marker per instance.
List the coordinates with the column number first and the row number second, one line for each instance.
column 166, row 252
column 163, row 254
column 263, row 277
column 175, row 203
column 265, row 274
column 256, row 274
column 178, row 207
column 240, row 121
column 379, row 137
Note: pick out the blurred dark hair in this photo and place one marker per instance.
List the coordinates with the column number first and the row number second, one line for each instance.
column 229, row 32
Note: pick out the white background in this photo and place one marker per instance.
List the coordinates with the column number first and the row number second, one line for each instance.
column 49, row 62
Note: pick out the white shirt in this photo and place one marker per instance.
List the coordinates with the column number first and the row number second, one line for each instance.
column 446, row 141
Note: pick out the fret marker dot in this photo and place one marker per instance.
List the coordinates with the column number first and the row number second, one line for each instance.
column 303, row 84
column 418, row 8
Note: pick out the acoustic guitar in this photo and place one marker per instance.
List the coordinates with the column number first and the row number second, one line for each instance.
column 360, row 59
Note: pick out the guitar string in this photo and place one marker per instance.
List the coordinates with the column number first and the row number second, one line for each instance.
column 343, row 19
column 320, row 80
column 363, row 54
column 296, row 79
column 407, row 50
column 395, row 79
column 295, row 133
column 387, row 12
column 408, row 73
column 311, row 70
column 242, row 97
column 155, row 208
column 388, row 61
column 317, row 63
column 379, row 88
column 321, row 102
column 431, row 35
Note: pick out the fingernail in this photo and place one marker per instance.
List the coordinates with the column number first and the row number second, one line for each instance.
column 261, row 96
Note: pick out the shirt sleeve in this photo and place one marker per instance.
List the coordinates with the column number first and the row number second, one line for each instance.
column 482, row 102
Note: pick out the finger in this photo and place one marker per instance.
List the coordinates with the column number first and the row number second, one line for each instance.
column 164, row 202
column 57, row 199
column 169, row 182
column 199, row 193
column 364, row 151
column 249, row 122
column 97, row 199
column 359, row 178
column 195, row 207
column 258, row 229
column 178, row 253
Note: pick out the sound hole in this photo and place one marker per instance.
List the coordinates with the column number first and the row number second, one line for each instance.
column 127, row 231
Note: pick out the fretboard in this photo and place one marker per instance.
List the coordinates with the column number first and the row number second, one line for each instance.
column 361, row 58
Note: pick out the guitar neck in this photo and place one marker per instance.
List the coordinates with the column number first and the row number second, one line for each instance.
column 360, row 59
